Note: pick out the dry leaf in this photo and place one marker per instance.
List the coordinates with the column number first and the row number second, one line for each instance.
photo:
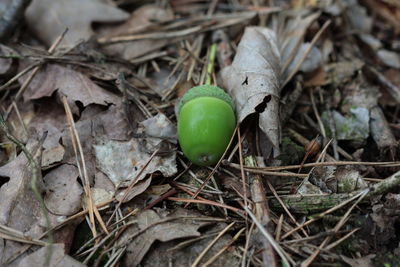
column 57, row 258
column 162, row 231
column 6, row 63
column 160, row 127
column 122, row 161
column 95, row 123
column 141, row 19
column 175, row 253
column 63, row 195
column 253, row 80
column 19, row 208
column 74, row 85
column 49, row 117
column 49, row 18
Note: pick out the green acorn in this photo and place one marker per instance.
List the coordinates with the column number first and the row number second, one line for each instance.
column 206, row 122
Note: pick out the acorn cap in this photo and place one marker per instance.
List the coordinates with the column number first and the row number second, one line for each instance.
column 205, row 90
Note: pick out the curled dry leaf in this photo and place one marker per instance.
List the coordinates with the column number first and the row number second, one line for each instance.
column 253, row 80
column 57, row 258
column 141, row 19
column 49, row 18
column 63, row 195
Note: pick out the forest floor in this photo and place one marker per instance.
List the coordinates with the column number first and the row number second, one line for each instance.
column 91, row 170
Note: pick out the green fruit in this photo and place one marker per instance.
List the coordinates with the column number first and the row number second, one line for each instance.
column 206, row 121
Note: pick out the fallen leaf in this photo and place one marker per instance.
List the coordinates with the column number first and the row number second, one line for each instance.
column 66, row 81
column 176, row 253
column 63, row 195
column 253, row 80
column 165, row 231
column 19, row 208
column 49, row 18
column 95, row 123
column 57, row 255
column 160, row 127
column 142, row 18
column 122, row 161
column 6, row 64
column 49, row 117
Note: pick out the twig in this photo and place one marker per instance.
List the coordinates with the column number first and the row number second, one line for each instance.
column 77, row 146
column 213, row 258
column 285, row 258
column 313, row 41
column 131, row 185
column 336, row 229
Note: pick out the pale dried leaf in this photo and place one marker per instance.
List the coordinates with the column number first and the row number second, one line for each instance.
column 253, row 80
column 160, row 127
column 57, row 258
column 139, row 188
column 63, row 190
column 122, row 161
column 95, row 123
column 140, row 19
column 49, row 18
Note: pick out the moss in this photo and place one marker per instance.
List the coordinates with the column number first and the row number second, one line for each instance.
column 292, row 153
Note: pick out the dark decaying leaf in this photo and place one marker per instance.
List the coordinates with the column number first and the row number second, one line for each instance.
column 165, row 229
column 176, row 254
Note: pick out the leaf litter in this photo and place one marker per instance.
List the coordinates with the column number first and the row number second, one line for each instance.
column 114, row 187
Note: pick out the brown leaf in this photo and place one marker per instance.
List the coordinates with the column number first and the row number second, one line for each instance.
column 49, row 18
column 141, row 19
column 74, row 85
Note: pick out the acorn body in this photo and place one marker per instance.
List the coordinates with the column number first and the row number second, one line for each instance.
column 206, row 121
